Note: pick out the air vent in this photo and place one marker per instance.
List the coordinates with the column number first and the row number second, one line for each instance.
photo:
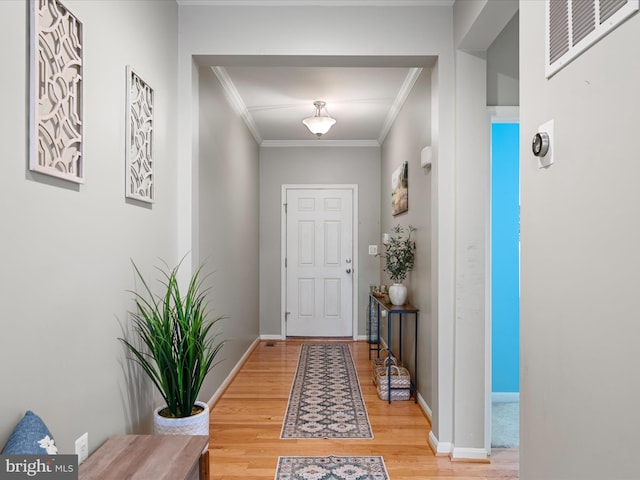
column 572, row 26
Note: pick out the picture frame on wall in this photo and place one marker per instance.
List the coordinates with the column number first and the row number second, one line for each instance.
column 139, row 176
column 56, row 84
column 400, row 189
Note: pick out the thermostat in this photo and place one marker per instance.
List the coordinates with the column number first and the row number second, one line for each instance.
column 540, row 144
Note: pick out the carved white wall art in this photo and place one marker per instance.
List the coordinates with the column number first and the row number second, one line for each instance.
column 139, row 135
column 56, row 91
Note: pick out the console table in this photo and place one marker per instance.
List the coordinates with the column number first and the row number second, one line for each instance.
column 143, row 457
column 400, row 312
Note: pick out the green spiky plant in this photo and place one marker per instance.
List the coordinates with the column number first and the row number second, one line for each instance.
column 178, row 334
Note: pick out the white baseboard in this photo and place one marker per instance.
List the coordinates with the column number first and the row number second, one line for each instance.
column 271, row 337
column 439, row 448
column 234, row 371
column 425, row 408
column 497, row 397
column 469, row 454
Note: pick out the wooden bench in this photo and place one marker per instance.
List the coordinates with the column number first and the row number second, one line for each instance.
column 157, row 457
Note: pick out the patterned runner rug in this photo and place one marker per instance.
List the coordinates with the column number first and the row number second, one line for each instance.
column 334, row 468
column 325, row 399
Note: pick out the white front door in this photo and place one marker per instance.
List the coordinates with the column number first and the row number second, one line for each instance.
column 319, row 262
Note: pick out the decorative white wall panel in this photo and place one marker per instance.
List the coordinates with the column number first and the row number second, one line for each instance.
column 56, row 91
column 139, row 137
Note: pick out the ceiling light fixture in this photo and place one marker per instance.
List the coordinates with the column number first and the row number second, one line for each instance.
column 320, row 123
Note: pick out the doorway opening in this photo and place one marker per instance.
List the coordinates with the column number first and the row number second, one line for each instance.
column 505, row 280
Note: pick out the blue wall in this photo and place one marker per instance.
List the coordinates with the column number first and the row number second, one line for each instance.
column 505, row 254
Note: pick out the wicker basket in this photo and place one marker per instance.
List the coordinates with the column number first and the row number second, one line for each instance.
column 400, row 378
column 381, row 364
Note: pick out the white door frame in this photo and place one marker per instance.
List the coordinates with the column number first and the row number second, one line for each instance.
column 283, row 251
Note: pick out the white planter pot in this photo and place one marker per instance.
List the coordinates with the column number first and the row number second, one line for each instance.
column 398, row 294
column 194, row 425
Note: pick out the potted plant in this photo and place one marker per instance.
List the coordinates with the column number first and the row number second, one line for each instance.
column 176, row 349
column 399, row 257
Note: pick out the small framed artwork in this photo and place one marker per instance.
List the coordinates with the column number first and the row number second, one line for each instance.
column 56, row 79
column 400, row 189
column 139, row 177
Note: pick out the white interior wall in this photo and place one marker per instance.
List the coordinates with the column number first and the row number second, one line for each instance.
column 476, row 28
column 580, row 257
column 66, row 249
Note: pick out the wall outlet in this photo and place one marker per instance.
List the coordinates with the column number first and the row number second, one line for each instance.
column 373, row 249
column 82, row 447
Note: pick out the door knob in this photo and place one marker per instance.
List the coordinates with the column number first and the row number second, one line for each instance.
column 348, row 270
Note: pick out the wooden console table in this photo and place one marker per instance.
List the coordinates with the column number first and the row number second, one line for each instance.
column 400, row 311
column 145, row 457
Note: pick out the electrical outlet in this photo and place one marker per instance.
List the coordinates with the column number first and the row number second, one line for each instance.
column 373, row 249
column 82, row 447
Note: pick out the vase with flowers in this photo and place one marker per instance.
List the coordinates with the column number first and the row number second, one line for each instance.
column 399, row 258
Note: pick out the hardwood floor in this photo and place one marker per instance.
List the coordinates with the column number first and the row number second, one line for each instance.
column 247, row 420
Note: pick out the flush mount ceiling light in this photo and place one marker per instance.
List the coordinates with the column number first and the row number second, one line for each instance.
column 320, row 123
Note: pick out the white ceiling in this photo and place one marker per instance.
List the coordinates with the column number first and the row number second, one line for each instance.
column 274, row 100
column 273, row 94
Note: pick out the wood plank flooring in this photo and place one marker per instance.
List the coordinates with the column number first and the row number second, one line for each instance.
column 247, row 420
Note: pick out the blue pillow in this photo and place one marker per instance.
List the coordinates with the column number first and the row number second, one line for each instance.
column 30, row 437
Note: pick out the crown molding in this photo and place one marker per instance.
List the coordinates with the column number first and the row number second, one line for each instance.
column 316, row 3
column 319, row 143
column 236, row 101
column 404, row 92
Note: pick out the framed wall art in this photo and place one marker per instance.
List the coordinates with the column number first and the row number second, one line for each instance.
column 56, row 123
column 139, row 176
column 400, row 189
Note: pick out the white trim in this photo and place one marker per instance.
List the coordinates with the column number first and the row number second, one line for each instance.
column 439, row 448
column 319, row 143
column 425, row 408
column 408, row 84
column 505, row 397
column 319, row 3
column 232, row 374
column 283, row 250
column 236, row 101
column 504, row 114
column 271, row 337
column 468, row 454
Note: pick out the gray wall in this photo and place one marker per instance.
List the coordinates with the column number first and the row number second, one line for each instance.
column 410, row 133
column 580, row 235
column 360, row 32
column 227, row 225
column 66, row 249
column 503, row 79
column 316, row 165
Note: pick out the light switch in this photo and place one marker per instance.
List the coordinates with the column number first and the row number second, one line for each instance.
column 373, row 249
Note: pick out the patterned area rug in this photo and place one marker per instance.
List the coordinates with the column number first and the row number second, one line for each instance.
column 334, row 468
column 325, row 399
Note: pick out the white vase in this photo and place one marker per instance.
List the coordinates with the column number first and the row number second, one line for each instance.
column 193, row 425
column 398, row 294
